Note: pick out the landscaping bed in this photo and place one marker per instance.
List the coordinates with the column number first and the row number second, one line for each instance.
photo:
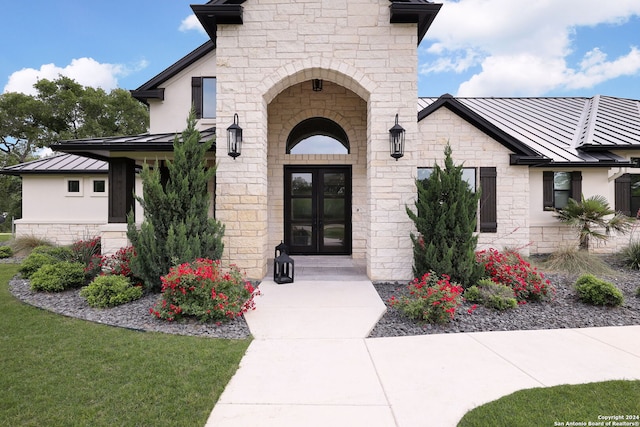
column 564, row 311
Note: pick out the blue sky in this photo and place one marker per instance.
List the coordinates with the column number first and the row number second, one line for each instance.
column 474, row 47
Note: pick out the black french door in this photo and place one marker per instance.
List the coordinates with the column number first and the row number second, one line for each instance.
column 317, row 209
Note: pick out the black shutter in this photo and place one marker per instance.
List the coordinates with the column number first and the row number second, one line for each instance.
column 576, row 186
column 547, row 190
column 488, row 201
column 196, row 96
column 122, row 177
column 623, row 194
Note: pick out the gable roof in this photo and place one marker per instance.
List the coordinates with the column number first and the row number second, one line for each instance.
column 552, row 131
column 151, row 90
column 57, row 164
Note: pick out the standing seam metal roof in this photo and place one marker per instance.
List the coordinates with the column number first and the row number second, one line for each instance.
column 562, row 129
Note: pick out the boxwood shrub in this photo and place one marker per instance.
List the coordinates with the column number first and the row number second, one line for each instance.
column 58, row 277
column 110, row 291
column 491, row 294
column 592, row 290
column 6, row 251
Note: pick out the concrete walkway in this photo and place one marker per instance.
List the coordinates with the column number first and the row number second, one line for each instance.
column 310, row 364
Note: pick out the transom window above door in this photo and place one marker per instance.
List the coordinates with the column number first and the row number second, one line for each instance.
column 318, row 135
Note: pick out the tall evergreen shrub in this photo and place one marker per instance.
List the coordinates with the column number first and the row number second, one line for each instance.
column 445, row 220
column 177, row 227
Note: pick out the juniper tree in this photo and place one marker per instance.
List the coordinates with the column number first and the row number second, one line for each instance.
column 177, row 227
column 445, row 221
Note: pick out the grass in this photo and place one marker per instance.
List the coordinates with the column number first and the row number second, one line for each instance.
column 560, row 404
column 5, row 237
column 59, row 371
column 574, row 261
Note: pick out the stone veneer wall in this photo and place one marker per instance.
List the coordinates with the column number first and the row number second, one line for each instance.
column 343, row 107
column 281, row 44
column 473, row 148
column 58, row 232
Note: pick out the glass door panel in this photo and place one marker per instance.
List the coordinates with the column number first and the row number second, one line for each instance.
column 318, row 209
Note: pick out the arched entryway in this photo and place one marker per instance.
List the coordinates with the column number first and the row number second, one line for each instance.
column 317, row 198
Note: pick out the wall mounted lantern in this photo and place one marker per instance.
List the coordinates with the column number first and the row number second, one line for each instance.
column 396, row 140
column 234, row 138
column 316, row 84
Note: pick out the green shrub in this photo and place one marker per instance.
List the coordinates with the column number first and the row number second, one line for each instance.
column 34, row 261
column 638, row 292
column 472, row 294
column 491, row 294
column 58, row 277
column 6, row 252
column 60, row 253
column 592, row 290
column 109, row 291
column 630, row 256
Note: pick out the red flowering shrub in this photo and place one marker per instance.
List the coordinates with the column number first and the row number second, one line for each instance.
column 202, row 290
column 119, row 264
column 510, row 269
column 88, row 252
column 430, row 298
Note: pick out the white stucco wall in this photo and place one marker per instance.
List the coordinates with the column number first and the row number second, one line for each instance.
column 170, row 115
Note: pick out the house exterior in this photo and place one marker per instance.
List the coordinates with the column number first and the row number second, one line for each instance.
column 316, row 87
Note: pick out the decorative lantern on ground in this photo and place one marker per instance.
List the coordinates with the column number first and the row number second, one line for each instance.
column 283, row 265
column 281, row 249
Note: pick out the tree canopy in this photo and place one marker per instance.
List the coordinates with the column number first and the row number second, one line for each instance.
column 61, row 109
column 64, row 109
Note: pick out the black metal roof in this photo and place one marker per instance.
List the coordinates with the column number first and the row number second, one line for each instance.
column 60, row 163
column 421, row 12
column 101, row 148
column 151, row 90
column 561, row 130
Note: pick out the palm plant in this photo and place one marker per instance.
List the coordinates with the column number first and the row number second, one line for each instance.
column 591, row 216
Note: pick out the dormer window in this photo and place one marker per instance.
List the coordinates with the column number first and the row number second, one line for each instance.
column 203, row 96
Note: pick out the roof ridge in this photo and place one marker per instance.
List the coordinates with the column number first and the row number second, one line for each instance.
column 589, row 122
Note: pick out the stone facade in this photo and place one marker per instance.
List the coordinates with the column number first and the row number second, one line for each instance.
column 351, row 46
column 475, row 149
column 59, row 232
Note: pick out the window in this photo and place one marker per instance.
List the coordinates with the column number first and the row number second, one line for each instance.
column 559, row 187
column 99, row 186
column 488, row 199
column 203, row 96
column 73, row 186
column 317, row 135
column 468, row 174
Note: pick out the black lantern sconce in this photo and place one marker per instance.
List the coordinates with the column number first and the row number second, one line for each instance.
column 316, row 84
column 283, row 265
column 234, row 138
column 396, row 140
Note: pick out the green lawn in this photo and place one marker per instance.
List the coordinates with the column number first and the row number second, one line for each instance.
column 5, row 237
column 560, row 405
column 58, row 371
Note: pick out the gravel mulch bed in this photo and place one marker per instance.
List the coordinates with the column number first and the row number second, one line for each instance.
column 134, row 315
column 565, row 311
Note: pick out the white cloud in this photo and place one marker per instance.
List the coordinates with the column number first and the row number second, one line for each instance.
column 521, row 48
column 191, row 23
column 86, row 71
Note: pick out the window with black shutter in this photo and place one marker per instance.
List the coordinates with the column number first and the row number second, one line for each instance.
column 559, row 187
column 488, row 200
column 203, row 97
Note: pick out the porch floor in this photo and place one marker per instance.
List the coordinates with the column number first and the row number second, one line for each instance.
column 325, row 267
